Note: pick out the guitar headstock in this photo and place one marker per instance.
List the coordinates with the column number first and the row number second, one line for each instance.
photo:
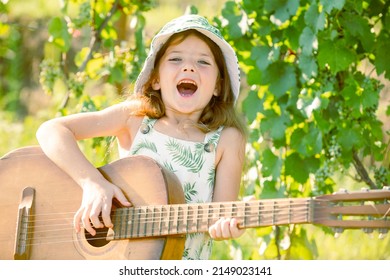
column 366, row 209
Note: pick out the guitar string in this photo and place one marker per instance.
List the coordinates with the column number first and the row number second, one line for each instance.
column 146, row 210
column 192, row 213
column 145, row 216
column 195, row 209
column 142, row 224
column 172, row 218
column 55, row 238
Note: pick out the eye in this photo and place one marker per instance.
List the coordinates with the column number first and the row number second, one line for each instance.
column 175, row 59
column 204, row 62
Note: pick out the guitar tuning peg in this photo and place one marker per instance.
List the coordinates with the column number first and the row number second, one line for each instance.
column 342, row 191
column 368, row 230
column 382, row 233
column 337, row 232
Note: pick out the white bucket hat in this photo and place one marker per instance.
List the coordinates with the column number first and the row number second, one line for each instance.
column 200, row 24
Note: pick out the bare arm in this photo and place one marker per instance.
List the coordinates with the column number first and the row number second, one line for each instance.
column 58, row 139
column 228, row 178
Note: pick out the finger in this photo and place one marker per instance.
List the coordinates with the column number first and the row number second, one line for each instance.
column 225, row 229
column 234, row 230
column 214, row 230
column 106, row 211
column 87, row 223
column 77, row 220
column 118, row 194
column 94, row 215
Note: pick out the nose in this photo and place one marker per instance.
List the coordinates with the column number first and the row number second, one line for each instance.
column 188, row 67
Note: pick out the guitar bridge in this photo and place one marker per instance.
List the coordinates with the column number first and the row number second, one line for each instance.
column 24, row 225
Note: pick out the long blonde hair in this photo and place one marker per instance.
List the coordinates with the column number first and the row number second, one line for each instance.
column 221, row 109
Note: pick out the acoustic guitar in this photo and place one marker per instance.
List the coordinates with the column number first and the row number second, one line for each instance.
column 38, row 202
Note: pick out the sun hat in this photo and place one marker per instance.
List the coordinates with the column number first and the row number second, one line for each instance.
column 200, row 24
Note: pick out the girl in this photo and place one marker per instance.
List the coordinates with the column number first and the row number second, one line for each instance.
column 182, row 111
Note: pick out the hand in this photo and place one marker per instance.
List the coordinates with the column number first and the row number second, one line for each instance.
column 97, row 198
column 225, row 228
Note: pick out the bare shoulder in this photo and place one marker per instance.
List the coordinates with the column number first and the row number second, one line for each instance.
column 231, row 144
column 231, row 136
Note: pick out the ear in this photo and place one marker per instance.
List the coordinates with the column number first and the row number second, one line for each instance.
column 156, row 84
column 218, row 86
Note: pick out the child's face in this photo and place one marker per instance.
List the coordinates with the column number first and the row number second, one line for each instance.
column 187, row 76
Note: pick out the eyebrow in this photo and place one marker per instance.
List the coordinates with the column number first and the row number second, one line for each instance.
column 180, row 52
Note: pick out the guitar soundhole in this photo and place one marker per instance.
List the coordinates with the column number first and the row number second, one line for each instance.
column 99, row 240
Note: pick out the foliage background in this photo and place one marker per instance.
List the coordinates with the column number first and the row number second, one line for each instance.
column 315, row 94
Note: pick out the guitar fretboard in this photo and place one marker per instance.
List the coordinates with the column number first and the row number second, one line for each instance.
column 162, row 220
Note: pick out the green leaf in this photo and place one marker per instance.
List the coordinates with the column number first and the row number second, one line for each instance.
column 275, row 125
column 94, row 66
column 335, row 55
column 329, row 5
column 254, row 76
column 359, row 27
column 282, row 9
column 301, row 247
column 271, row 164
column 116, row 75
column 60, row 36
column 252, row 105
column 314, row 18
column 281, row 77
column 300, row 168
column 270, row 191
column 382, row 58
column 350, row 138
column 260, row 54
column 81, row 55
column 307, row 143
column 308, row 41
column 308, row 66
column 233, row 15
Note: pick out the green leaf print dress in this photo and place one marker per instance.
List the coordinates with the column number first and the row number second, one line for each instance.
column 194, row 165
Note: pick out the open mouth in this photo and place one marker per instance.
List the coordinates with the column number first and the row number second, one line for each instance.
column 186, row 87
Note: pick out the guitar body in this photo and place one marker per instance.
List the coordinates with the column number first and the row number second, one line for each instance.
column 57, row 197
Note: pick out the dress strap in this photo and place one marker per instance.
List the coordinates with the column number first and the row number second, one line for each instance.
column 147, row 124
column 211, row 140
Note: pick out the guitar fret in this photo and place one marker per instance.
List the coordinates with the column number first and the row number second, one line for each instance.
column 145, row 221
column 199, row 217
column 259, row 213
column 204, row 219
column 164, row 226
column 153, row 217
column 172, row 218
column 121, row 231
column 179, row 224
column 127, row 223
column 185, row 219
column 191, row 217
column 132, row 222
column 210, row 215
column 221, row 212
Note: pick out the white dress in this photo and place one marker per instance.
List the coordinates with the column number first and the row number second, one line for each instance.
column 194, row 165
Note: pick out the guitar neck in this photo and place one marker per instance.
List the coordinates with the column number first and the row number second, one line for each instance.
column 162, row 220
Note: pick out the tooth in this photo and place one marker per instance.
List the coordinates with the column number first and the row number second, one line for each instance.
column 187, row 82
